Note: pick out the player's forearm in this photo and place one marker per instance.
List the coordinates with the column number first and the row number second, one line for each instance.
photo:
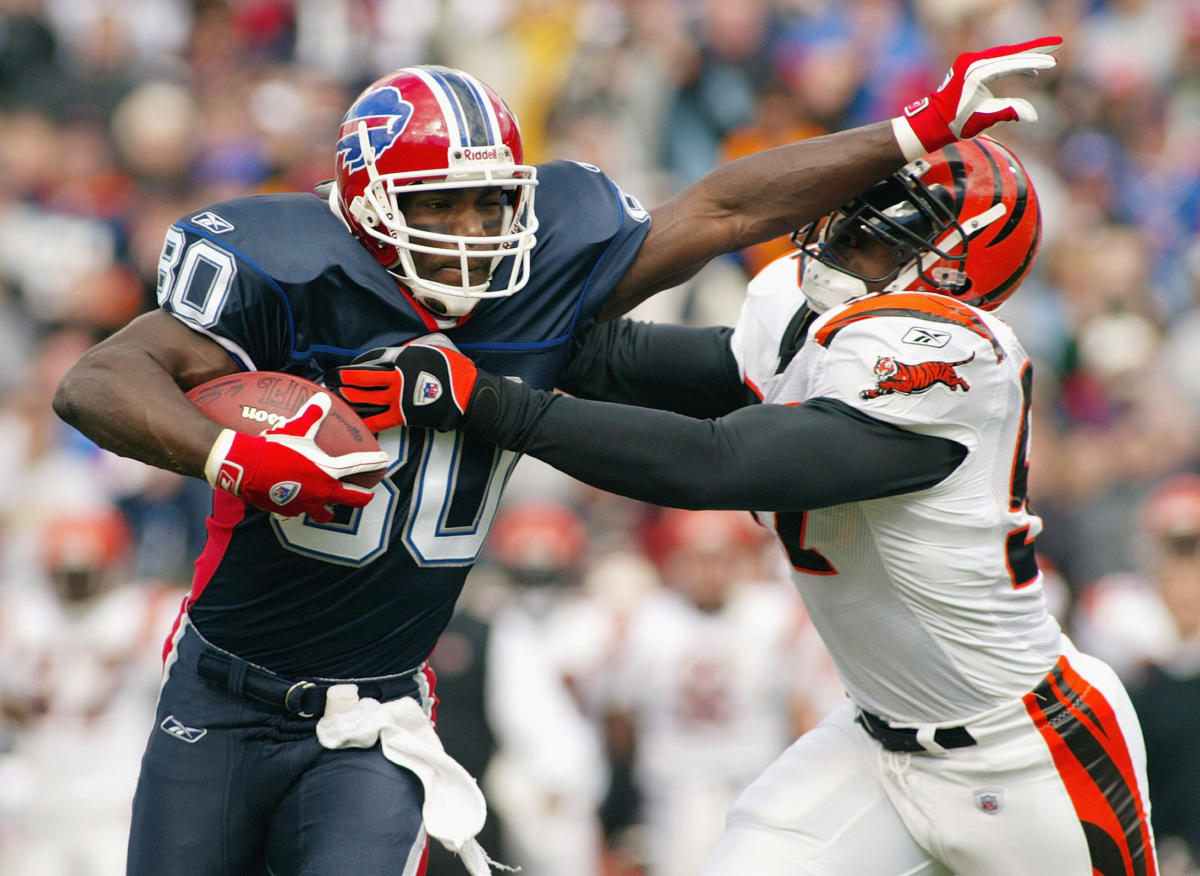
column 778, row 190
column 648, row 455
column 125, row 402
column 751, row 200
column 761, row 457
column 677, row 368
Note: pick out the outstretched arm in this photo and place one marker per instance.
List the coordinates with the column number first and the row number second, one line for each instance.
column 758, row 458
column 684, row 369
column 771, row 193
column 761, row 457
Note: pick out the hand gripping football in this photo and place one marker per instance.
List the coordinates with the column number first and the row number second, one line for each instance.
column 253, row 401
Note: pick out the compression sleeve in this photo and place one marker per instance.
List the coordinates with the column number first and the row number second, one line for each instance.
column 677, row 368
column 758, row 458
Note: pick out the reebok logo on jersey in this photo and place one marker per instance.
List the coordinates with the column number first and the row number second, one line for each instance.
column 892, row 376
column 173, row 727
column 926, row 337
column 284, row 491
column 210, row 221
column 428, row 389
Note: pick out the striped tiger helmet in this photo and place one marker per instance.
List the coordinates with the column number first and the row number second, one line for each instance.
column 963, row 221
column 423, row 128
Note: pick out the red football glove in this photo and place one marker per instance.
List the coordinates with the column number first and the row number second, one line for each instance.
column 963, row 106
column 424, row 383
column 284, row 471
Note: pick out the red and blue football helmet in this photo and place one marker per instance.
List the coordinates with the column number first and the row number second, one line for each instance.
column 423, row 128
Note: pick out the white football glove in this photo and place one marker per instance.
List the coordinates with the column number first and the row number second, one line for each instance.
column 963, row 106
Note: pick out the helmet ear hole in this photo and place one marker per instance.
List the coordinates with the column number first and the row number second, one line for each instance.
column 363, row 211
column 951, row 278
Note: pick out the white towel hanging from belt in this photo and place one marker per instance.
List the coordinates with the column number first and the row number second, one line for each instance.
column 454, row 810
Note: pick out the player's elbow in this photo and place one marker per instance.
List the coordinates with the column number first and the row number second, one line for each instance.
column 78, row 391
column 67, row 401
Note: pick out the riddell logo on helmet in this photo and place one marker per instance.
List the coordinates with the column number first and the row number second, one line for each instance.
column 487, row 153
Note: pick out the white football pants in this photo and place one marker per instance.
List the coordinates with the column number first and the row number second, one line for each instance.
column 1056, row 784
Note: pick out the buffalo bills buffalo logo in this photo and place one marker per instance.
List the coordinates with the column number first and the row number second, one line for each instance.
column 386, row 114
column 894, row 376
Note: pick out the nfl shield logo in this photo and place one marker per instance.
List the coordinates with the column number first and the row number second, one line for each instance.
column 989, row 800
column 284, row 491
column 428, row 389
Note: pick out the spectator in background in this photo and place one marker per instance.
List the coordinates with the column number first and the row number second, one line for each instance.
column 1167, row 696
column 715, row 93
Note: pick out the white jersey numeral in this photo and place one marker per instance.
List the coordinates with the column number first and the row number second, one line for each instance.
column 196, row 280
column 428, row 537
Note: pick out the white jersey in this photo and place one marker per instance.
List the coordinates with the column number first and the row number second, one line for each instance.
column 929, row 602
column 705, row 688
column 711, row 696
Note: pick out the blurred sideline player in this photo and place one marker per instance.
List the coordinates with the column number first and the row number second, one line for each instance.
column 1167, row 691
column 549, row 774
column 889, row 456
column 80, row 644
column 709, row 682
column 539, row 759
column 430, row 224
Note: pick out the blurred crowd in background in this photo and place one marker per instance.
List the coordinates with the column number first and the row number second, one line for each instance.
column 617, row 672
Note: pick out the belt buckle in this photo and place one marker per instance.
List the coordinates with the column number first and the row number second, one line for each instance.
column 287, row 705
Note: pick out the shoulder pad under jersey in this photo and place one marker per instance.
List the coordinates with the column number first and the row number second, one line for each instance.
column 772, row 299
column 913, row 359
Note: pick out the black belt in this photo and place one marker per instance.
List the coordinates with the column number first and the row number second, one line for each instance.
column 304, row 699
column 905, row 738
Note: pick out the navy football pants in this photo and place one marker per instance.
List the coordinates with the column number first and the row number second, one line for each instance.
column 229, row 787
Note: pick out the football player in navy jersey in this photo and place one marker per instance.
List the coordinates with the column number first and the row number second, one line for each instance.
column 264, row 758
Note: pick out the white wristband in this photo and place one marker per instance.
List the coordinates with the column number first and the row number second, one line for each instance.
column 910, row 143
column 217, row 454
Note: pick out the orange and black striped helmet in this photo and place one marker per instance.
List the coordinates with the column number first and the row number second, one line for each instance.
column 963, row 221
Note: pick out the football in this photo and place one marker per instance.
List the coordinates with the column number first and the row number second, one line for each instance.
column 254, row 401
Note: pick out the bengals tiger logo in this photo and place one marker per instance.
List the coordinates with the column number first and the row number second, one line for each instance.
column 893, row 376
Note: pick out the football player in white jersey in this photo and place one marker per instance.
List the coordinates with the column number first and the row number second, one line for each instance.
column 696, row 683
column 889, row 454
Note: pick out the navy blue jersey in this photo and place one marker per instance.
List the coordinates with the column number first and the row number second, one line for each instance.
column 281, row 284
